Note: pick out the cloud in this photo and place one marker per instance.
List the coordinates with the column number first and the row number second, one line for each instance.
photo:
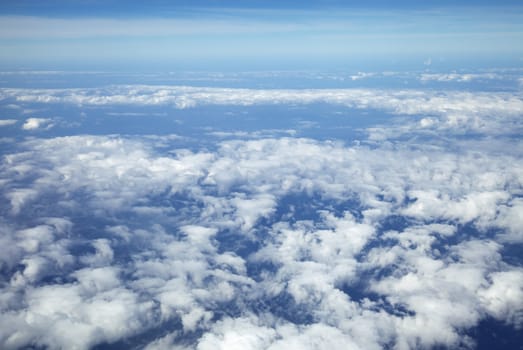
column 252, row 333
column 255, row 134
column 460, row 77
column 361, row 75
column 7, row 122
column 261, row 240
column 264, row 243
column 19, row 198
column 78, row 319
column 37, row 123
column 510, row 219
column 503, row 296
column 430, row 111
column 402, row 101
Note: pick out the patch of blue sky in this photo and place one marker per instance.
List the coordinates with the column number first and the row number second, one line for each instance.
column 115, row 8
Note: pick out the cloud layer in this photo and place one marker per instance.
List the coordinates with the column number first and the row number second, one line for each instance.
column 271, row 243
column 430, row 111
column 261, row 239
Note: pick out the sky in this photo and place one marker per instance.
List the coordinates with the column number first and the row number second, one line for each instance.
column 227, row 35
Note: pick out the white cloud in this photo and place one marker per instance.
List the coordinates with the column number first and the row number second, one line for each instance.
column 455, row 111
column 237, row 334
column 265, row 243
column 37, row 123
column 460, row 77
column 7, row 122
column 19, row 198
column 310, row 260
column 251, row 209
column 65, row 317
column 503, row 298
column 402, row 101
column 252, row 333
column 430, row 204
column 361, row 75
column 103, row 255
column 255, row 134
column 511, row 219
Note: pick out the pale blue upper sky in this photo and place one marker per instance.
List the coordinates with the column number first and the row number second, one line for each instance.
column 207, row 34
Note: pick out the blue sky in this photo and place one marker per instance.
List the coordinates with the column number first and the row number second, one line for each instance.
column 259, row 34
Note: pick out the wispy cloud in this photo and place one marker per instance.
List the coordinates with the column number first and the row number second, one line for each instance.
column 7, row 122
column 460, row 77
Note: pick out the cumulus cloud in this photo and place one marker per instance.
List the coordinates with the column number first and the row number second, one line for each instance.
column 37, row 123
column 503, row 297
column 266, row 243
column 510, row 218
column 263, row 240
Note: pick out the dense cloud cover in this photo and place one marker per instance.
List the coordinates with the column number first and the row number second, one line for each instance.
column 272, row 243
